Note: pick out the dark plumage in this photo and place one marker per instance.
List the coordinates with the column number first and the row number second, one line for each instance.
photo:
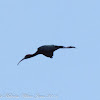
column 46, row 50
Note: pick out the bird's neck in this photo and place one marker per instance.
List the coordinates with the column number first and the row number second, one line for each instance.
column 36, row 53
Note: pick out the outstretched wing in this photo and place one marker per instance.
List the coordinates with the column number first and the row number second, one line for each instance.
column 48, row 54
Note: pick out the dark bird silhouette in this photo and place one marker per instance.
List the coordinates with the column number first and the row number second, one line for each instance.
column 46, row 50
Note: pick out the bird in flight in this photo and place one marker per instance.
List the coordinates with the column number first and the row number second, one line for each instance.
column 46, row 50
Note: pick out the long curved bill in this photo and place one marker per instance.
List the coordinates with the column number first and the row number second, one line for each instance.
column 20, row 61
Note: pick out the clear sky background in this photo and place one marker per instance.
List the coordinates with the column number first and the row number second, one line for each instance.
column 72, row 74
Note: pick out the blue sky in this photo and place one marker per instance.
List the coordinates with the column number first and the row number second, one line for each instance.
column 72, row 74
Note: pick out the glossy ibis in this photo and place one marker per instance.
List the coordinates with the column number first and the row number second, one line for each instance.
column 46, row 50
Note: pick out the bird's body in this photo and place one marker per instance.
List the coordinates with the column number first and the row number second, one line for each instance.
column 46, row 50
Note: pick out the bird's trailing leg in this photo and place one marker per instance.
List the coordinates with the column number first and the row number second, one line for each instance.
column 70, row 47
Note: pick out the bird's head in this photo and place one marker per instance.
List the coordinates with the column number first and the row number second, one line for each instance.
column 26, row 57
